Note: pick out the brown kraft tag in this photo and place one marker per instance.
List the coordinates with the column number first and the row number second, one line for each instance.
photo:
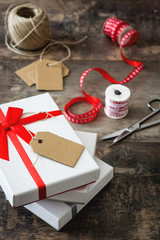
column 57, row 148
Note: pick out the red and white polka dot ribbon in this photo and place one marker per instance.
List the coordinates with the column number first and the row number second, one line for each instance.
column 117, row 31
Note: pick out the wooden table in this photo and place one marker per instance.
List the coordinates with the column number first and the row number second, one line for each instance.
column 129, row 206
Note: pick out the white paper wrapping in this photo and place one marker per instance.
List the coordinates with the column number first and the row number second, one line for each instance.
column 57, row 213
column 15, row 179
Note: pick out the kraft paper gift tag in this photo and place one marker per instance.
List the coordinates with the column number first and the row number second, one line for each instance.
column 48, row 77
column 65, row 70
column 32, row 74
column 23, row 73
column 57, row 148
column 28, row 73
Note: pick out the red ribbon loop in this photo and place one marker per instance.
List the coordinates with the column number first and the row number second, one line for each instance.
column 13, row 122
column 12, row 117
column 122, row 34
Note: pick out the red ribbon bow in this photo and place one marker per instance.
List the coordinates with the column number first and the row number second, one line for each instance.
column 13, row 122
column 12, row 125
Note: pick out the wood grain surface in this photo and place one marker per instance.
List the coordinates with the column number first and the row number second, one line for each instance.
column 129, row 206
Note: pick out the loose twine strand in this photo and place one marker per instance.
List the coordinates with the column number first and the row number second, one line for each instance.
column 28, row 32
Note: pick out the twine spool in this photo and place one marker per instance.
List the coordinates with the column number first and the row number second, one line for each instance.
column 28, row 31
column 116, row 101
column 27, row 28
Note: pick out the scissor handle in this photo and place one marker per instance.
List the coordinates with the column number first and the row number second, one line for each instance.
column 151, row 101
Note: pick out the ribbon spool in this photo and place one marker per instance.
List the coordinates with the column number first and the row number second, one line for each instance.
column 116, row 101
column 121, row 33
column 28, row 29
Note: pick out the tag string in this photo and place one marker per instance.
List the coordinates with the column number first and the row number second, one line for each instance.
column 117, row 31
column 63, row 44
column 33, row 136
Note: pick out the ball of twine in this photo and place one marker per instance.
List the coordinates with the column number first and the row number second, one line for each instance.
column 27, row 28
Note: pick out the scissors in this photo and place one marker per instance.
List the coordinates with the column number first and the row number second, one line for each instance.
column 136, row 126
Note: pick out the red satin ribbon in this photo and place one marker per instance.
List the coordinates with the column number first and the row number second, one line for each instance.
column 12, row 125
column 113, row 27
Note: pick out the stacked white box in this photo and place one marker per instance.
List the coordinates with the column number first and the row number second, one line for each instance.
column 58, row 213
column 16, row 181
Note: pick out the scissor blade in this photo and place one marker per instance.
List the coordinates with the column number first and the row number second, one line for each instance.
column 124, row 134
column 117, row 133
column 112, row 135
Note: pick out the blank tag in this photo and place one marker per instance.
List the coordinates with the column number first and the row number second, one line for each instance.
column 32, row 74
column 48, row 77
column 57, row 148
column 29, row 74
column 23, row 73
column 65, row 70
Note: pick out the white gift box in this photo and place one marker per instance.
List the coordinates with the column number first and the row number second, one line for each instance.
column 79, row 195
column 57, row 213
column 17, row 182
column 89, row 140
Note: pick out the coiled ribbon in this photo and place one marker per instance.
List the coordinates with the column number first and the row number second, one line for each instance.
column 113, row 28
